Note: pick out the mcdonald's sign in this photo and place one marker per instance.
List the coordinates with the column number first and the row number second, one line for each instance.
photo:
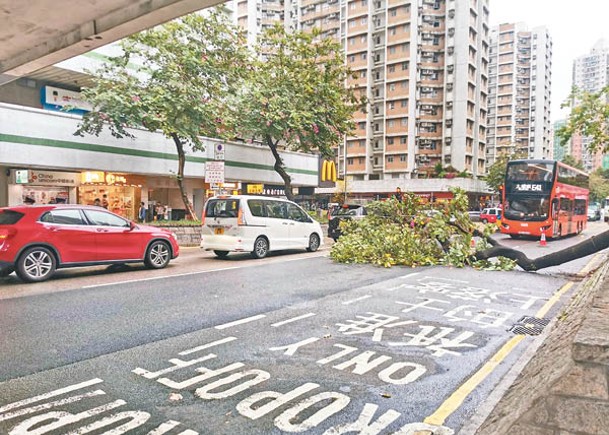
column 328, row 171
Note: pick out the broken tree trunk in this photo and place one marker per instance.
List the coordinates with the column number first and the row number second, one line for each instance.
column 587, row 247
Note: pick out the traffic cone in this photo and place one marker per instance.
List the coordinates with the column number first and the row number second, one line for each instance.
column 542, row 241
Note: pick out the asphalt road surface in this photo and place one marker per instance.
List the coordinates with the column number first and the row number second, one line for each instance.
column 292, row 343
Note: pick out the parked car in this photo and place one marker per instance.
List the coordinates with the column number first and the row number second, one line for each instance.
column 339, row 214
column 594, row 212
column 474, row 215
column 37, row 240
column 257, row 224
column 490, row 215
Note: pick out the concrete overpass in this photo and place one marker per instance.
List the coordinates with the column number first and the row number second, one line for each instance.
column 35, row 34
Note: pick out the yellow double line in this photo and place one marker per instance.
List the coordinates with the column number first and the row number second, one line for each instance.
column 455, row 400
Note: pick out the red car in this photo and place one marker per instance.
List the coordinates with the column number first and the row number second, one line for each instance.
column 35, row 240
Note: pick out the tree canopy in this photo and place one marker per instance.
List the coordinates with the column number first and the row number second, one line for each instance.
column 589, row 117
column 190, row 71
column 296, row 97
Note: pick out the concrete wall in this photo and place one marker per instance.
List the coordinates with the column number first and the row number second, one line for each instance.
column 564, row 389
column 44, row 139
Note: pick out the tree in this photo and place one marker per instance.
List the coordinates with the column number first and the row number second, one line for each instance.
column 572, row 161
column 496, row 172
column 191, row 69
column 599, row 185
column 296, row 96
column 589, row 117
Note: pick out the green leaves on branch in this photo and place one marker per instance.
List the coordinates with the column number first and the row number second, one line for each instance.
column 179, row 78
column 589, row 117
column 296, row 94
column 407, row 234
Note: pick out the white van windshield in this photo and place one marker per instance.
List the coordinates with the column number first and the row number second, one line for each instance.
column 222, row 208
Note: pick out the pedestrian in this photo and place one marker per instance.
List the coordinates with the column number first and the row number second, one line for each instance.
column 97, row 202
column 398, row 194
column 104, row 202
column 141, row 215
column 160, row 212
column 29, row 200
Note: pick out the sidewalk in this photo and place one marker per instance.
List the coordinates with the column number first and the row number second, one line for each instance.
column 564, row 388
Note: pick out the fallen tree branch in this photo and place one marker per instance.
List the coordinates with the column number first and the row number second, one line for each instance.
column 583, row 249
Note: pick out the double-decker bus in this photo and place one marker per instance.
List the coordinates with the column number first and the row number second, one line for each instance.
column 544, row 196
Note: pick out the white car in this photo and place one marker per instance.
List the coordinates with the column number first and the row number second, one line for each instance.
column 257, row 224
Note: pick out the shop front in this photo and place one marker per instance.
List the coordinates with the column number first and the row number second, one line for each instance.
column 33, row 186
column 119, row 193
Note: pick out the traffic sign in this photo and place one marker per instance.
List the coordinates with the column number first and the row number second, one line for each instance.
column 214, row 172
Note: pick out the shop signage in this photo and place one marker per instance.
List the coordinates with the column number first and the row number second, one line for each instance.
column 56, row 99
column 214, row 172
column 48, row 178
column 270, row 190
column 115, row 179
column 92, row 177
column 255, row 189
column 22, row 177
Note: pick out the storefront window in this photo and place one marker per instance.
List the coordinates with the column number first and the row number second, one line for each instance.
column 117, row 199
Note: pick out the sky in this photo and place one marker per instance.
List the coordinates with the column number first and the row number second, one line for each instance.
column 574, row 26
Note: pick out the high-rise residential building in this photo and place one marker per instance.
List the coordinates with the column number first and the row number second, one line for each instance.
column 520, row 79
column 256, row 15
column 423, row 67
column 590, row 74
column 560, row 151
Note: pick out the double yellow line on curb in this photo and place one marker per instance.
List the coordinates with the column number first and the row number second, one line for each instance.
column 455, row 400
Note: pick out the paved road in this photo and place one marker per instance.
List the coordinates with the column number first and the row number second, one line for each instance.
column 293, row 343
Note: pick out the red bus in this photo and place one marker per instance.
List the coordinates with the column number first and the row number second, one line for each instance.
column 544, row 196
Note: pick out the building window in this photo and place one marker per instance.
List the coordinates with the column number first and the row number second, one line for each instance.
column 392, row 50
column 393, row 12
column 404, row 103
column 389, row 141
column 402, row 157
column 392, row 87
column 364, row 56
column 390, row 123
column 403, row 139
column 391, row 105
column 350, row 161
column 404, row 122
column 391, row 68
column 390, row 159
column 404, row 66
column 352, row 58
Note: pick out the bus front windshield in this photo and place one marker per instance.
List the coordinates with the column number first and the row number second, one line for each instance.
column 526, row 209
column 529, row 171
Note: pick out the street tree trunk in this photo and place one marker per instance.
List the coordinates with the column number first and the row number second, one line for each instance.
column 583, row 249
column 180, row 175
column 280, row 169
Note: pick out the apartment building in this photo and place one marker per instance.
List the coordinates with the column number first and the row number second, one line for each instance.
column 591, row 74
column 423, row 65
column 520, row 79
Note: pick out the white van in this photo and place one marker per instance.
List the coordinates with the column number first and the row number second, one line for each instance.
column 257, row 224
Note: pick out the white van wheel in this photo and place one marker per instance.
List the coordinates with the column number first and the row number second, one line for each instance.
column 313, row 243
column 261, row 248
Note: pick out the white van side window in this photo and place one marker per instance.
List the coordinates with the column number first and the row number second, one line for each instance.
column 256, row 207
column 296, row 214
column 275, row 209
